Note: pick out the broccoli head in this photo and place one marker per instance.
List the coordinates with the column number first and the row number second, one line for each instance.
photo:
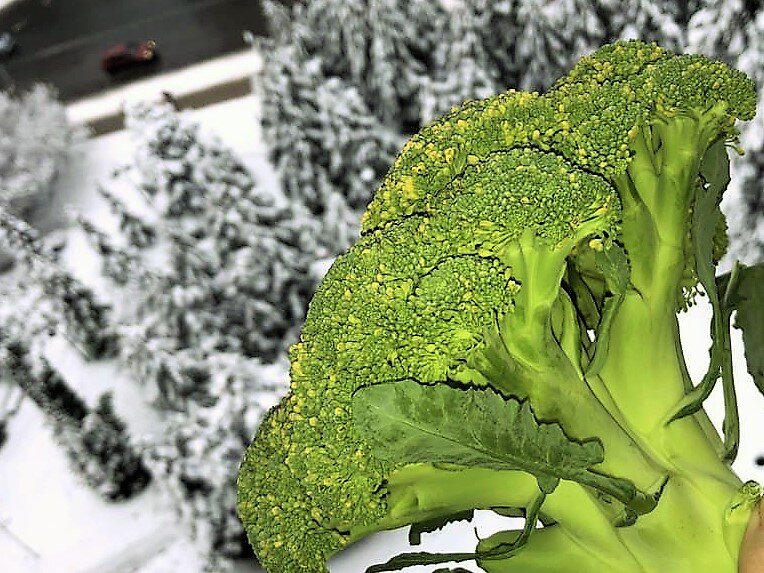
column 503, row 336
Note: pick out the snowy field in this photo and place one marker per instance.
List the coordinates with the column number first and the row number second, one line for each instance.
column 51, row 523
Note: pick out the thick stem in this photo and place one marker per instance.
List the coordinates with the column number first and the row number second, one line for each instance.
column 420, row 492
column 698, row 526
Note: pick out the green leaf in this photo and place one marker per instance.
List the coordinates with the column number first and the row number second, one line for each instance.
column 746, row 295
column 417, row 529
column 583, row 298
column 418, row 558
column 614, row 266
column 406, row 423
column 521, row 512
column 706, row 215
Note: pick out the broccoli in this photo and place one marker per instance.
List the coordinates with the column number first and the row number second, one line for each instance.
column 504, row 337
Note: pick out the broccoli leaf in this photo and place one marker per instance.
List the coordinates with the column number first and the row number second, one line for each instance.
column 715, row 173
column 406, row 422
column 614, row 266
column 545, row 520
column 746, row 295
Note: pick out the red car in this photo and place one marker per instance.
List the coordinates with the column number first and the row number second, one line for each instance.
column 130, row 55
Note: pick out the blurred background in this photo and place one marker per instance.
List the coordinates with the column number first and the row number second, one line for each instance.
column 175, row 178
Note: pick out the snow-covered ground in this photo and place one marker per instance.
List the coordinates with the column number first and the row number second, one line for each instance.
column 51, row 523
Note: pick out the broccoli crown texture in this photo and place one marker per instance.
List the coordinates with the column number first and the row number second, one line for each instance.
column 503, row 236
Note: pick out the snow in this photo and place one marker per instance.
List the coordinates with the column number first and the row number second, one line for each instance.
column 56, row 516
column 51, row 523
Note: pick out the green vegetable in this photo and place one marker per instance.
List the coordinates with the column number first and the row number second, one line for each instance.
column 504, row 337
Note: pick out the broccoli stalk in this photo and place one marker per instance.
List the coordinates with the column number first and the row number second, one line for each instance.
column 504, row 336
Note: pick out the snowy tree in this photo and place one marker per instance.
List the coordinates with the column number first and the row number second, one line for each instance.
column 108, row 460
column 718, row 28
column 466, row 71
column 35, row 143
column 200, row 452
column 73, row 308
column 118, row 263
column 18, row 237
column 648, row 20
column 138, row 232
column 85, row 321
column 95, row 441
column 383, row 47
column 322, row 136
column 238, row 278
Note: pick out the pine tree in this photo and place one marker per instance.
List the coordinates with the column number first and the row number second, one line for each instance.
column 18, row 237
column 74, row 307
column 95, row 441
column 533, row 42
column 200, row 452
column 465, row 68
column 238, row 279
column 139, row 233
column 84, row 319
column 322, row 136
column 110, row 462
column 117, row 263
column 382, row 47
column 718, row 28
column 661, row 21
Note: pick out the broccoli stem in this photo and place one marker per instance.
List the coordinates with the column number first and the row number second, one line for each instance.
column 656, row 193
column 697, row 526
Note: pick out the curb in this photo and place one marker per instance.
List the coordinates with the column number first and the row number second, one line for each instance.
column 192, row 87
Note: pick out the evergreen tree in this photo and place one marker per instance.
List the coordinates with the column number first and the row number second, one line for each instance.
column 322, row 136
column 238, row 278
column 139, row 233
column 74, row 307
column 466, row 72
column 533, row 42
column 661, row 21
column 18, row 237
column 85, row 320
column 109, row 461
column 117, row 263
column 718, row 28
column 200, row 452
column 95, row 441
column 383, row 47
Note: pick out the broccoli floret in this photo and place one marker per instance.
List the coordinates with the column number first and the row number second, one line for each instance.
column 505, row 265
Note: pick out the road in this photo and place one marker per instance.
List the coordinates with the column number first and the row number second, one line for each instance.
column 61, row 41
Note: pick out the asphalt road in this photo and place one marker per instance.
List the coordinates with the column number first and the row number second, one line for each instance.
column 61, row 41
